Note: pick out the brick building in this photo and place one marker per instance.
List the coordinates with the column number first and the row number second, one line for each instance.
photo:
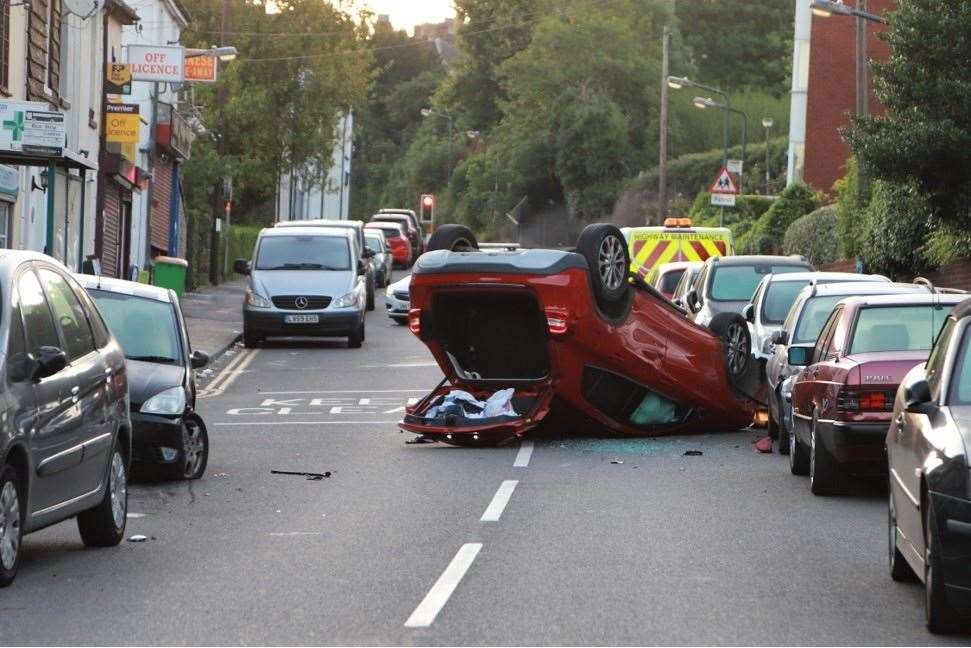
column 832, row 91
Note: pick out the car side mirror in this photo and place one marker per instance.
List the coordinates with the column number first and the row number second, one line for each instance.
column 917, row 397
column 241, row 266
column 691, row 299
column 800, row 356
column 199, row 359
column 749, row 313
column 46, row 362
column 780, row 337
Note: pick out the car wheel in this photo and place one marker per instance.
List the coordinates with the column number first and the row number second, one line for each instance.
column 370, row 300
column 605, row 249
column 783, row 433
column 772, row 428
column 900, row 569
column 104, row 525
column 733, row 331
column 12, row 511
column 195, row 449
column 939, row 615
column 825, row 476
column 798, row 457
column 457, row 238
column 356, row 339
column 250, row 341
column 400, row 321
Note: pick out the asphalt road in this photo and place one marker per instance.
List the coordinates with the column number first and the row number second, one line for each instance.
column 663, row 548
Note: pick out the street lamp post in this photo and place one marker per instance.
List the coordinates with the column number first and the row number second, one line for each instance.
column 767, row 123
column 428, row 112
column 677, row 83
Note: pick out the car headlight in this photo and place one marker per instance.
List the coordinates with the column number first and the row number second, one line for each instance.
column 389, row 291
column 170, row 401
column 346, row 301
column 256, row 300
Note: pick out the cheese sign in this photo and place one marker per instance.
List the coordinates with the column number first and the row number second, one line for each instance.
column 157, row 63
column 200, row 68
column 122, row 123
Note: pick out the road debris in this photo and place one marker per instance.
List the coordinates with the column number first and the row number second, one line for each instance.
column 763, row 445
column 309, row 475
column 616, row 461
column 693, row 453
column 137, row 538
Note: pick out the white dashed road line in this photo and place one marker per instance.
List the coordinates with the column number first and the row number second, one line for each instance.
column 499, row 501
column 424, row 615
column 524, row 454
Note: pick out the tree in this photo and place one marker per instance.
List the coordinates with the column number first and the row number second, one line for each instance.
column 897, row 224
column 924, row 140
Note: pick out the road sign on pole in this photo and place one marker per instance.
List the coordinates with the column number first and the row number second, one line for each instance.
column 723, row 200
column 736, row 166
column 723, row 189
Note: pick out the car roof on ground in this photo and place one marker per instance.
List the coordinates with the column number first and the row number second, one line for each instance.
column 762, row 259
column 846, row 277
column 123, row 287
column 905, row 299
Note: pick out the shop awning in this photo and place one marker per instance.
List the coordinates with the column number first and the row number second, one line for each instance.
column 66, row 160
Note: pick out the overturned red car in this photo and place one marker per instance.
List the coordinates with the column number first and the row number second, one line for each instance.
column 571, row 334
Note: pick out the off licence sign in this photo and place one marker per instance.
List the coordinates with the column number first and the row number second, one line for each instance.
column 156, row 63
column 123, row 123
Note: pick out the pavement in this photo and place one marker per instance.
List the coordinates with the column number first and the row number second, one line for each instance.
column 564, row 539
column 214, row 316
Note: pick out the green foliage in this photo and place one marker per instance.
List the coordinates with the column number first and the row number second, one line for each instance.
column 241, row 242
column 796, row 201
column 897, row 225
column 924, row 140
column 814, row 236
column 850, row 209
column 739, row 43
column 945, row 245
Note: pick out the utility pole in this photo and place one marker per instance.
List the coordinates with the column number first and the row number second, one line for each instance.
column 862, row 90
column 219, row 197
column 662, row 192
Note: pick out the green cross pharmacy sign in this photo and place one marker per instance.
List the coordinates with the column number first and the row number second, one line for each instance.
column 31, row 128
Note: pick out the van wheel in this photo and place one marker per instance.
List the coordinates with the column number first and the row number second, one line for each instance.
column 356, row 339
column 12, row 510
column 250, row 341
column 104, row 525
column 733, row 331
column 605, row 250
column 457, row 238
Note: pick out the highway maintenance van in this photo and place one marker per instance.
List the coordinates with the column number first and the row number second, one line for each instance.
column 677, row 240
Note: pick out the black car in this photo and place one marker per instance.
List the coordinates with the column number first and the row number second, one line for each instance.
column 168, row 437
column 930, row 483
column 65, row 442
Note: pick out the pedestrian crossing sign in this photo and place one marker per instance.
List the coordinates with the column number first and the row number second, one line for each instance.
column 724, row 183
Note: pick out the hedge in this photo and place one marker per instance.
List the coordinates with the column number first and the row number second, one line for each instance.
column 815, row 236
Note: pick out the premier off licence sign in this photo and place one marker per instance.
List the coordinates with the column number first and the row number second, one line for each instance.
column 157, row 63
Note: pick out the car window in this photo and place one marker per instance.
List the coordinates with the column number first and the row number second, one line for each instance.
column 826, row 337
column 935, row 363
column 669, row 281
column 789, row 324
column 738, row 282
column 898, row 328
column 38, row 321
column 779, row 298
column 146, row 328
column 376, row 243
column 303, row 252
column 16, row 346
column 814, row 315
column 960, row 391
column 101, row 334
column 69, row 314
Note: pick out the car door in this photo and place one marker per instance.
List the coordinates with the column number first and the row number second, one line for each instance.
column 805, row 389
column 20, row 397
column 56, row 439
column 86, row 396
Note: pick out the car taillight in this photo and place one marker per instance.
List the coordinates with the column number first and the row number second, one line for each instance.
column 556, row 321
column 414, row 320
column 856, row 400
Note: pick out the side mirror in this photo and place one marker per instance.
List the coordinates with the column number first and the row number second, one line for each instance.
column 800, row 356
column 241, row 266
column 199, row 359
column 749, row 313
column 368, row 253
column 780, row 337
column 691, row 299
column 47, row 362
column 917, row 396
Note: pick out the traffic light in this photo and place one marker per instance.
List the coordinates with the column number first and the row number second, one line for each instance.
column 427, row 208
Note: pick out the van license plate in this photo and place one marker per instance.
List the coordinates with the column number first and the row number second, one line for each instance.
column 301, row 319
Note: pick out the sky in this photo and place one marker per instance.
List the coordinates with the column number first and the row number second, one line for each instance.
column 405, row 14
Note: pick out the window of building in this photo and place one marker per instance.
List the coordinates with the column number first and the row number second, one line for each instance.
column 5, row 46
column 52, row 40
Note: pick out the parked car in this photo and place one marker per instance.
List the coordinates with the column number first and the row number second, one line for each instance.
column 569, row 325
column 801, row 328
column 726, row 284
column 668, row 276
column 382, row 260
column 66, row 448
column 685, row 283
column 308, row 283
column 363, row 252
column 842, row 402
column 928, row 446
column 397, row 300
column 411, row 232
column 775, row 295
column 167, row 433
column 394, row 234
column 413, row 224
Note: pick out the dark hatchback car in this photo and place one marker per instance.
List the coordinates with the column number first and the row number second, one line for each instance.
column 66, row 438
column 168, row 436
column 930, row 477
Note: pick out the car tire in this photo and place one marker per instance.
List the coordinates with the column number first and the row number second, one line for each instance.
column 940, row 617
column 736, row 339
column 798, row 454
column 457, row 238
column 782, row 432
column 13, row 510
column 370, row 300
column 900, row 569
column 400, row 321
column 825, row 474
column 104, row 525
column 771, row 427
column 194, row 454
column 356, row 339
column 608, row 261
column 250, row 341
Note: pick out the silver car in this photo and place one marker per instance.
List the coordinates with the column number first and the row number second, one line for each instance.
column 304, row 282
column 382, row 260
column 397, row 300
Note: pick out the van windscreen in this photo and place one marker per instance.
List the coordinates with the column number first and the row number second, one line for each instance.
column 303, row 252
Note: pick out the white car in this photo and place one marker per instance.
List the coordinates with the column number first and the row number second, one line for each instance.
column 397, row 300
